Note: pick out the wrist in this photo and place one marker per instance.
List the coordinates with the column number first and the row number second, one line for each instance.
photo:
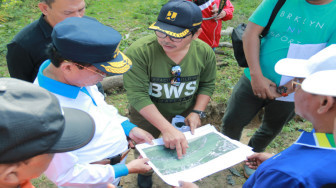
column 200, row 113
column 282, row 90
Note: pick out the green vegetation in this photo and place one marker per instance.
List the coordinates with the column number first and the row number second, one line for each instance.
column 131, row 18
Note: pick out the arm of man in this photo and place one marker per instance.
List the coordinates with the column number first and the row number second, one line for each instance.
column 275, row 178
column 65, row 170
column 172, row 138
column 193, row 119
column 19, row 62
column 256, row 159
column 227, row 12
column 251, row 42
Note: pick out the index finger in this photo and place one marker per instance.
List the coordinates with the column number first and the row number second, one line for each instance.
column 192, row 128
column 179, row 150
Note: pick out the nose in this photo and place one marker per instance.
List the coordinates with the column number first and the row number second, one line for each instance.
column 167, row 39
column 78, row 14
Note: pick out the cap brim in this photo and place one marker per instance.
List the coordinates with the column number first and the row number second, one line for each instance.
column 78, row 131
column 292, row 67
column 171, row 30
column 117, row 66
column 320, row 83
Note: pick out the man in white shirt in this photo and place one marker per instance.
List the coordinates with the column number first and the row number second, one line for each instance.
column 82, row 53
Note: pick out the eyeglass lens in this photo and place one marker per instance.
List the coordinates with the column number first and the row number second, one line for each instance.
column 164, row 35
column 296, row 83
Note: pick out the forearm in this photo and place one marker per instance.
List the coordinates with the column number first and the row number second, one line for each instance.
column 251, row 44
column 152, row 115
column 201, row 102
column 66, row 170
column 229, row 11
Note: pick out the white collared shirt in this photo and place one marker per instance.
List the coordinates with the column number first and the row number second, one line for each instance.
column 73, row 169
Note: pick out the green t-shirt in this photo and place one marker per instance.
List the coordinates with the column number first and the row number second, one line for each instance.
column 297, row 22
column 148, row 81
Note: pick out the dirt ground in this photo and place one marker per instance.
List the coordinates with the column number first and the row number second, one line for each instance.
column 217, row 180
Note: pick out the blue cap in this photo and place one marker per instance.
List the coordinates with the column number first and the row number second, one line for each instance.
column 177, row 17
column 86, row 40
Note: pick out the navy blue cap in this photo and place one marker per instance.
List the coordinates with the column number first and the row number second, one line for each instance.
column 86, row 40
column 177, row 17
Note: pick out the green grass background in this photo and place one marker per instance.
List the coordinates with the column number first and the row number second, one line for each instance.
column 131, row 18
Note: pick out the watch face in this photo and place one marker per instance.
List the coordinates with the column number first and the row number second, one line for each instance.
column 202, row 115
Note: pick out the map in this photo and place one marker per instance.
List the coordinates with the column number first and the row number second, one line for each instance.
column 201, row 150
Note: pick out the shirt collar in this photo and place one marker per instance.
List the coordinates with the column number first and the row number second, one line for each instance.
column 56, row 86
column 45, row 27
column 317, row 140
column 26, row 184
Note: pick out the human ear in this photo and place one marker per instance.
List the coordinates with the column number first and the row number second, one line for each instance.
column 198, row 32
column 67, row 67
column 9, row 175
column 326, row 103
column 43, row 7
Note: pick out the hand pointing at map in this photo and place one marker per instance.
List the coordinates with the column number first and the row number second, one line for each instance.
column 172, row 138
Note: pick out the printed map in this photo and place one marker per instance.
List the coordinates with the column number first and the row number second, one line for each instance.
column 201, row 150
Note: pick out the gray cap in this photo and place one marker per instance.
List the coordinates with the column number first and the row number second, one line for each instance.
column 33, row 123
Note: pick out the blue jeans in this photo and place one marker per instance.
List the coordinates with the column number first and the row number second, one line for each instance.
column 243, row 105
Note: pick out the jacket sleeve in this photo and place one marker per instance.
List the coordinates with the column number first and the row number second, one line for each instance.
column 136, row 81
column 208, row 75
column 65, row 170
column 19, row 62
column 229, row 11
column 274, row 179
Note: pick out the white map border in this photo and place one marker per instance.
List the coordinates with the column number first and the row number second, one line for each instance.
column 196, row 173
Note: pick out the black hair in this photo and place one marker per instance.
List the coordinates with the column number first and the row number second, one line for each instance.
column 48, row 2
column 194, row 30
column 56, row 58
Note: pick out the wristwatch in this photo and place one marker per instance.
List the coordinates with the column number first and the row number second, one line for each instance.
column 282, row 90
column 200, row 113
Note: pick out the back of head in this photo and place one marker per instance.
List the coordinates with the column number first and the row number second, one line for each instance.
column 33, row 123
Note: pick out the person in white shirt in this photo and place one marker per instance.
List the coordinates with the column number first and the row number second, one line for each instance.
column 82, row 53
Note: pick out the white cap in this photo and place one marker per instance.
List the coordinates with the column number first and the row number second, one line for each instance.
column 322, row 61
column 321, row 83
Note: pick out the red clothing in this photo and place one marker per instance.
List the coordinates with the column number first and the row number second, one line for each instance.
column 26, row 184
column 212, row 28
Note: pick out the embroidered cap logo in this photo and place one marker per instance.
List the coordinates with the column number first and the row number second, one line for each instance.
column 171, row 16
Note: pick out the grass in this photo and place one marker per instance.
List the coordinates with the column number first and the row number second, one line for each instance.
column 132, row 18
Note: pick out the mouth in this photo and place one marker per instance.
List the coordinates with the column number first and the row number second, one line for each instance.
column 168, row 46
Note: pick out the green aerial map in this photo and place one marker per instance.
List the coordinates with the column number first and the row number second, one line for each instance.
column 201, row 150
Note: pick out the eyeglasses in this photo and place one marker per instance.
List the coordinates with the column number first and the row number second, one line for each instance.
column 101, row 73
column 296, row 83
column 174, row 39
column 176, row 80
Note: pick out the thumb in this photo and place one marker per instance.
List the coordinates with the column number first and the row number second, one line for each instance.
column 272, row 84
column 110, row 186
column 145, row 160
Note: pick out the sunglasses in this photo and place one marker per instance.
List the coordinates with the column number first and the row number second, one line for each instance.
column 296, row 83
column 97, row 71
column 176, row 72
column 164, row 35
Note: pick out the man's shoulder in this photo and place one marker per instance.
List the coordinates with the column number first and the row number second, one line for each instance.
column 201, row 44
column 143, row 43
column 201, row 48
column 35, row 33
column 29, row 29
